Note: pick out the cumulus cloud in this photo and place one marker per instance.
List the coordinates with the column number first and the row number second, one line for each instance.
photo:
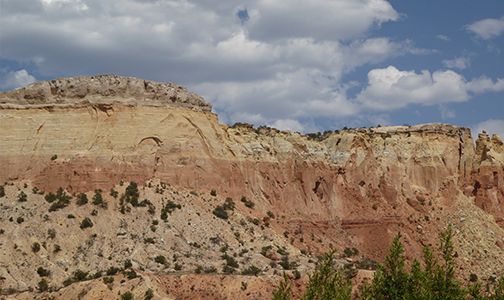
column 16, row 79
column 391, row 88
column 487, row 28
column 457, row 63
column 491, row 126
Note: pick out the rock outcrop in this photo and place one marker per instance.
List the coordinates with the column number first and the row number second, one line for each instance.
column 102, row 92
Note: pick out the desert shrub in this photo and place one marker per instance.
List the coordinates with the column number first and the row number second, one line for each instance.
column 198, row 270
column 230, row 261
column 127, row 296
column 20, row 220
column 86, row 223
column 108, row 280
column 194, row 193
column 43, row 286
column 98, row 199
column 210, row 270
column 213, row 193
column 251, row 270
column 57, row 248
column 149, row 294
column 70, row 216
column 82, row 199
column 160, row 259
column 42, row 272
column 131, row 274
column 114, row 193
column 112, row 271
column 228, row 204
column 35, row 247
column 178, row 267
column 270, row 214
column 149, row 240
column 54, row 157
column 22, row 197
column 219, row 212
column 127, row 264
column 2, row 191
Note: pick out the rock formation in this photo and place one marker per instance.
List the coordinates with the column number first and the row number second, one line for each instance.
column 350, row 188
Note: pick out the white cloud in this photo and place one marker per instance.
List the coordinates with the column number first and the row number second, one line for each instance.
column 487, row 28
column 391, row 88
column 288, row 124
column 491, row 126
column 16, row 79
column 457, row 63
column 484, row 84
column 443, row 37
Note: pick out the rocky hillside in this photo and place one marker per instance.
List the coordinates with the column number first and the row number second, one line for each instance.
column 352, row 190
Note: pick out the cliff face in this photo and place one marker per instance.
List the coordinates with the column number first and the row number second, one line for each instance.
column 356, row 187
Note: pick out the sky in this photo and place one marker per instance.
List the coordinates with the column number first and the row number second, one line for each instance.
column 306, row 66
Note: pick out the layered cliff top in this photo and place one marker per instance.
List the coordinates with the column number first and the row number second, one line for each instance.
column 102, row 90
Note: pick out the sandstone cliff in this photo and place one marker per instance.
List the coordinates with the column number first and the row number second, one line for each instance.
column 352, row 188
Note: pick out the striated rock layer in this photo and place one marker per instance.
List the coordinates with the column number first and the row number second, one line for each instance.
column 85, row 133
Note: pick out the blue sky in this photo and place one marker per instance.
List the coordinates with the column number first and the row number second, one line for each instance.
column 303, row 65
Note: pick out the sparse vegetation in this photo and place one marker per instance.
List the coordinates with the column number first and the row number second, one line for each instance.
column 98, row 199
column 160, row 259
column 82, row 199
column 22, row 197
column 213, row 193
column 86, row 223
column 63, row 200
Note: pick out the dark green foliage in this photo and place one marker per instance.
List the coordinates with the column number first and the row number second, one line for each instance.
column 149, row 294
column 286, row 265
column 127, row 296
column 54, row 157
column 248, row 203
column 177, row 267
column 473, row 277
column 297, row 274
column 108, row 280
column 98, row 199
column 130, row 274
column 213, row 193
column 2, row 191
column 198, row 270
column 230, row 261
column 114, row 193
column 82, row 199
column 132, row 190
column 70, row 216
column 57, row 248
column 251, row 270
column 86, row 223
column 112, row 271
column 61, row 198
column 270, row 214
column 219, row 212
column 160, row 259
column 228, row 204
column 22, row 197
column 194, row 193
column 80, row 275
column 127, row 264
column 210, row 270
column 42, row 272
column 43, row 286
column 327, row 283
column 20, row 220
column 284, row 289
column 149, row 240
column 35, row 247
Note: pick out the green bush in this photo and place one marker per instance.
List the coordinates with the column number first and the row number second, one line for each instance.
column 98, row 199
column 219, row 212
column 22, row 197
column 213, row 193
column 82, row 199
column 43, row 286
column 112, row 271
column 35, row 247
column 2, row 191
column 127, row 296
column 127, row 264
column 149, row 294
column 251, row 270
column 86, row 223
column 42, row 272
column 20, row 220
column 160, row 259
